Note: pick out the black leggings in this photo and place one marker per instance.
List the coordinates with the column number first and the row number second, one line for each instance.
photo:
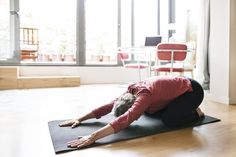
column 182, row 110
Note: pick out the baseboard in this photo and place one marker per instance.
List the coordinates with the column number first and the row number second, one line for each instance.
column 222, row 100
column 232, row 101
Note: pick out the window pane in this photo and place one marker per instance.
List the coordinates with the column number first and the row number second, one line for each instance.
column 126, row 26
column 5, row 30
column 101, row 31
column 145, row 20
column 164, row 20
column 54, row 24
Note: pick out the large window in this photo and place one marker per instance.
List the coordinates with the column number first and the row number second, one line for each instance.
column 101, row 31
column 54, row 25
column 50, row 30
column 83, row 32
column 123, row 23
column 145, row 20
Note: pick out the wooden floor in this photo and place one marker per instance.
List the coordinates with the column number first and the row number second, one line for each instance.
column 25, row 113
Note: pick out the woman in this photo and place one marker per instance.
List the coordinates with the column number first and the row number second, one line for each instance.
column 176, row 99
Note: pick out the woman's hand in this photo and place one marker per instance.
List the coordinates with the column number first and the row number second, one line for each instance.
column 90, row 139
column 82, row 141
column 73, row 123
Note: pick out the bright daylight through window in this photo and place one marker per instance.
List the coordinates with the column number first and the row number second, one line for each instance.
column 89, row 32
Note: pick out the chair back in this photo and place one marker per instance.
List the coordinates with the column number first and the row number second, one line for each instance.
column 29, row 38
column 29, row 43
column 165, row 51
column 122, row 56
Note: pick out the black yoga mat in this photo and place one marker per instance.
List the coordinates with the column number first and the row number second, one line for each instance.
column 144, row 126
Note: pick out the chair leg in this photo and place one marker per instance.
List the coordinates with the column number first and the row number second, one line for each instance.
column 139, row 74
column 192, row 74
column 148, row 72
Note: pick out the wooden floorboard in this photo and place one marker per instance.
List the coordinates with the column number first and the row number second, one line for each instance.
column 25, row 113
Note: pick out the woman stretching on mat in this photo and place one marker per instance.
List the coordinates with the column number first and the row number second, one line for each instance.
column 176, row 99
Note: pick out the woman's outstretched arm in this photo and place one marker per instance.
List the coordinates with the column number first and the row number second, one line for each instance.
column 90, row 139
column 96, row 113
column 121, row 122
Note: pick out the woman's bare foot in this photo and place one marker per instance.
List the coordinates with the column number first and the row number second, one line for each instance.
column 200, row 113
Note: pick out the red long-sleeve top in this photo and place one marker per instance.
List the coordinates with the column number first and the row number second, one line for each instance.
column 152, row 95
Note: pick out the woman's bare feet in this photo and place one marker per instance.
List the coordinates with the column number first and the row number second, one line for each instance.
column 200, row 113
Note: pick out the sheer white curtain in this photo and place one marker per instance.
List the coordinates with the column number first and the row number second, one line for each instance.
column 202, row 62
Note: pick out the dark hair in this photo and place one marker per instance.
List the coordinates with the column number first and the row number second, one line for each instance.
column 123, row 104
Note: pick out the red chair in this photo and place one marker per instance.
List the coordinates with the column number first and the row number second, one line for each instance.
column 137, row 63
column 170, row 58
column 29, row 43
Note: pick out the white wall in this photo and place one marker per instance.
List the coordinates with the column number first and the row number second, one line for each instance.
column 219, row 50
column 222, row 52
column 88, row 75
column 232, row 77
